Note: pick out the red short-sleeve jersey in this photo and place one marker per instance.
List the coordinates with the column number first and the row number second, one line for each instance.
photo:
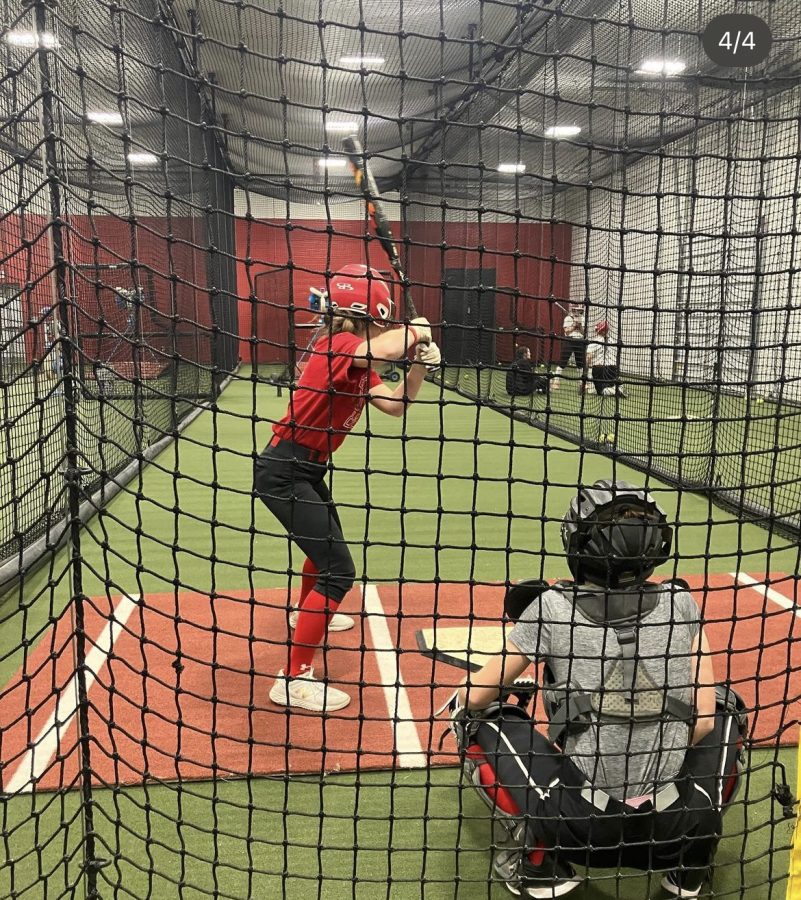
column 329, row 397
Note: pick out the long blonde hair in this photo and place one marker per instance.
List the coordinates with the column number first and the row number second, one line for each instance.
column 333, row 324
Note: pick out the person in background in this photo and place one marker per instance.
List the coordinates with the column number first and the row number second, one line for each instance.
column 573, row 346
column 602, row 360
column 521, row 379
column 520, row 374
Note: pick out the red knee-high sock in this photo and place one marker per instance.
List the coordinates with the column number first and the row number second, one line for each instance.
column 308, row 579
column 312, row 621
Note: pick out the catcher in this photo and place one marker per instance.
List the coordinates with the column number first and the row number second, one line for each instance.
column 643, row 752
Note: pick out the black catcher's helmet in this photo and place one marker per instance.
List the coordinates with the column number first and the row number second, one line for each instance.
column 615, row 535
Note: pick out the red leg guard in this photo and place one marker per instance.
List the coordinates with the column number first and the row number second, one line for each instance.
column 496, row 792
column 537, row 855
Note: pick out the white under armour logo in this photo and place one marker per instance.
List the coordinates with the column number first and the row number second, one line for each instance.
column 345, row 286
column 544, row 795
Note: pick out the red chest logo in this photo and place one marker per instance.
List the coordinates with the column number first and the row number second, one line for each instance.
column 358, row 403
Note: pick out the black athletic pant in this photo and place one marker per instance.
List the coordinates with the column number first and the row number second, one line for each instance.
column 605, row 377
column 547, row 787
column 573, row 347
column 295, row 492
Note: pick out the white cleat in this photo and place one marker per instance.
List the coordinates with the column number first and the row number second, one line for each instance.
column 304, row 691
column 339, row 621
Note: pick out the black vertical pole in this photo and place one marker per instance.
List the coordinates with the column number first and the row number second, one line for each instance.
column 219, row 219
column 211, row 211
column 756, row 296
column 221, row 237
column 73, row 471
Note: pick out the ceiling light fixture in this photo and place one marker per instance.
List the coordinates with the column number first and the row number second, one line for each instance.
column 666, row 67
column 101, row 117
column 143, row 159
column 342, row 127
column 332, row 162
column 562, row 131
column 511, row 168
column 362, row 61
column 20, row 38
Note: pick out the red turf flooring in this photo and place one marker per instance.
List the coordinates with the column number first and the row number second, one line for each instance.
column 184, row 692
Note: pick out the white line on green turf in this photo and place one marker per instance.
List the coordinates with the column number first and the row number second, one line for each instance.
column 407, row 740
column 39, row 757
column 769, row 593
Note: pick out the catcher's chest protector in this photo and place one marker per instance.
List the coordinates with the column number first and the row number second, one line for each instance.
column 627, row 691
column 628, row 694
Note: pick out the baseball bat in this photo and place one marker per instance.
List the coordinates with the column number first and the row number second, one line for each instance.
column 375, row 209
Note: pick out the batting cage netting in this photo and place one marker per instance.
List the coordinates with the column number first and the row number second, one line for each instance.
column 532, row 270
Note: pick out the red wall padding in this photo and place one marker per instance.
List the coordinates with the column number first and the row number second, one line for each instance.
column 26, row 264
column 531, row 263
column 170, row 257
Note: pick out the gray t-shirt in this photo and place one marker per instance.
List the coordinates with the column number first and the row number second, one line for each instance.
column 625, row 758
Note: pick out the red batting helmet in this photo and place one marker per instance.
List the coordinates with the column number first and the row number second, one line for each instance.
column 602, row 329
column 356, row 290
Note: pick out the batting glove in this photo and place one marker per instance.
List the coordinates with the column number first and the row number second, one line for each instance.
column 428, row 355
column 422, row 328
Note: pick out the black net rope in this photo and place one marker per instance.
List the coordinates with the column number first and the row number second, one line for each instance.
column 199, row 462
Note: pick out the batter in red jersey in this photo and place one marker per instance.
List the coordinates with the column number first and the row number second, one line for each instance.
column 290, row 475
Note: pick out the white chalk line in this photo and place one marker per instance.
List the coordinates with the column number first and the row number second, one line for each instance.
column 40, row 755
column 408, row 748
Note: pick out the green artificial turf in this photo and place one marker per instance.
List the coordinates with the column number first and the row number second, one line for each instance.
column 472, row 508
column 745, row 446
column 403, row 835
